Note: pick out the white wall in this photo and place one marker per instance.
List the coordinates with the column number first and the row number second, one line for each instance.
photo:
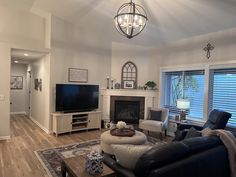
column 72, row 48
column 189, row 53
column 21, row 29
column 18, row 29
column 5, row 58
column 121, row 53
column 18, row 96
column 40, row 113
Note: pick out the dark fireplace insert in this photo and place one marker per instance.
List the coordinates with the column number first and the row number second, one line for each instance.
column 126, row 108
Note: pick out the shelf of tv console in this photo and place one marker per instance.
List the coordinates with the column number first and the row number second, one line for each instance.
column 70, row 122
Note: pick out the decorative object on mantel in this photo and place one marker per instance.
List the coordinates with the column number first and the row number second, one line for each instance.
column 129, row 72
column 208, row 49
column 77, row 75
column 108, row 82
column 151, row 85
column 117, row 85
column 130, row 19
column 112, row 83
column 94, row 163
column 128, row 84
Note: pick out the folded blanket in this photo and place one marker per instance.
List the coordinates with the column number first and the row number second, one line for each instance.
column 230, row 143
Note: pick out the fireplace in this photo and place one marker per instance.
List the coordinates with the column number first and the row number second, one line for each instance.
column 126, row 108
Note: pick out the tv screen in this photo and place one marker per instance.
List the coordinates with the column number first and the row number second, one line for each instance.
column 76, row 98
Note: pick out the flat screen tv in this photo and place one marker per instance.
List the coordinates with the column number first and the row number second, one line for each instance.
column 76, row 98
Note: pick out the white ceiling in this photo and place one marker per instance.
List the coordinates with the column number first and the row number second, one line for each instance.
column 169, row 20
column 18, row 55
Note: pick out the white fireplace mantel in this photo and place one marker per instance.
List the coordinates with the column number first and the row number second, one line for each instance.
column 149, row 95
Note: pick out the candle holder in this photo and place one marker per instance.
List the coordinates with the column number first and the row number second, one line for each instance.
column 108, row 82
column 112, row 83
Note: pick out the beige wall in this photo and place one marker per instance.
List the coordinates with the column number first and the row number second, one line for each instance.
column 72, row 48
column 189, row 52
column 21, row 29
column 18, row 97
column 18, row 29
column 40, row 113
column 5, row 55
column 121, row 53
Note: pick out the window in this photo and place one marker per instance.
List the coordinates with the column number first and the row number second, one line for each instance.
column 185, row 84
column 222, row 94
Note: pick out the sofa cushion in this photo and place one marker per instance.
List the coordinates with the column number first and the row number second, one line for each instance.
column 155, row 115
column 160, row 156
column 199, row 144
column 192, row 132
column 127, row 155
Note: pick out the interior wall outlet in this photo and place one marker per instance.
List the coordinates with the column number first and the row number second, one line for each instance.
column 2, row 97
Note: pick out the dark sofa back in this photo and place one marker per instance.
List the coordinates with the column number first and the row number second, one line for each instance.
column 184, row 159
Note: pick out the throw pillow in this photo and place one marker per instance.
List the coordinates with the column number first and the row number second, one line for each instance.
column 127, row 155
column 155, row 115
column 193, row 133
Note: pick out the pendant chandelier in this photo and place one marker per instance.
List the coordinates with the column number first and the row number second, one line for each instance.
column 130, row 19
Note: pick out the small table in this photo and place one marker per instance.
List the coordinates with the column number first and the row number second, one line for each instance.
column 75, row 167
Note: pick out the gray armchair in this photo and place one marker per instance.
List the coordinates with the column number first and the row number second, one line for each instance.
column 155, row 124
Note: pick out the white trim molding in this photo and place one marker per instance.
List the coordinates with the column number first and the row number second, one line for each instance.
column 12, row 113
column 40, row 125
column 4, row 138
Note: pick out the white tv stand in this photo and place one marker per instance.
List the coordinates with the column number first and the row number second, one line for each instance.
column 69, row 122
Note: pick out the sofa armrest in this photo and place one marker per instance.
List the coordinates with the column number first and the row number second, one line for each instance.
column 183, row 126
column 119, row 170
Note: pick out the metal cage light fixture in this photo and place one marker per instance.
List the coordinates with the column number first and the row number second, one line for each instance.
column 130, row 19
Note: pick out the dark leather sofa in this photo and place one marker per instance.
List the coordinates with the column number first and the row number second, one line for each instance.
column 193, row 157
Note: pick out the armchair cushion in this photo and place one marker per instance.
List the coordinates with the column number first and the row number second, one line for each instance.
column 151, row 125
column 155, row 115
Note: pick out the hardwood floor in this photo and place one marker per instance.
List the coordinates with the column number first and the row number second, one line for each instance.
column 17, row 158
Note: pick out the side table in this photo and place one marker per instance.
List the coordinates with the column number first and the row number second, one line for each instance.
column 75, row 167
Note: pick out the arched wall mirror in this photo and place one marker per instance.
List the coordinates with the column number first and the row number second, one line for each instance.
column 129, row 75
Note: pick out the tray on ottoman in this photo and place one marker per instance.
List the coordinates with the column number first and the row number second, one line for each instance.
column 125, row 132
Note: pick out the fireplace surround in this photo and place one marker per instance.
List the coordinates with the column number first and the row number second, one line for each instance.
column 149, row 100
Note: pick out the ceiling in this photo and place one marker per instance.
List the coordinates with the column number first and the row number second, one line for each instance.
column 19, row 55
column 169, row 20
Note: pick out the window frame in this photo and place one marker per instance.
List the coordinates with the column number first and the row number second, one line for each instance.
column 207, row 68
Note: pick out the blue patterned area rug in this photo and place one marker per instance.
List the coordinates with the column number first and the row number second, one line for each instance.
column 51, row 158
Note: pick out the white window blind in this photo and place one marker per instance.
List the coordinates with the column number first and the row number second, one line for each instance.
column 222, row 94
column 185, row 84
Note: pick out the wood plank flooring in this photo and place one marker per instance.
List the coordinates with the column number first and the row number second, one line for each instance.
column 17, row 158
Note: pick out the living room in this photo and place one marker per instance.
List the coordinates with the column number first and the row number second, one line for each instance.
column 79, row 34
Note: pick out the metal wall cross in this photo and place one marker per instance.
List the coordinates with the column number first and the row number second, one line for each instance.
column 208, row 49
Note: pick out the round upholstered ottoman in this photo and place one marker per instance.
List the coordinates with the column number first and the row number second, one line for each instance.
column 107, row 139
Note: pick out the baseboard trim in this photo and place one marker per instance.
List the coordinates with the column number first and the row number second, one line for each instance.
column 18, row 113
column 4, row 138
column 40, row 125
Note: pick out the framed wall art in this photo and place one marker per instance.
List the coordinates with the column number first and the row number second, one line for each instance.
column 17, row 82
column 77, row 75
column 129, row 84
